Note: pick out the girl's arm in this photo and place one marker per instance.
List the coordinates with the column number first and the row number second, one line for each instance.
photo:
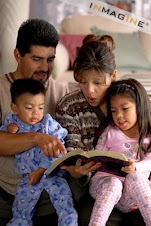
column 102, row 141
column 145, row 164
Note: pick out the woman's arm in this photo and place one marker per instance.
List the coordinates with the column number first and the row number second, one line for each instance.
column 67, row 118
column 14, row 143
column 66, row 115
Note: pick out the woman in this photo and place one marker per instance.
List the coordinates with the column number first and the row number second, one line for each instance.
column 84, row 111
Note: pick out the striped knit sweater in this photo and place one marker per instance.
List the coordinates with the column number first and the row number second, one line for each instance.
column 80, row 119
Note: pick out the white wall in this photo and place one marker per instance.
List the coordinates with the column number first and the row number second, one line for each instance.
column 12, row 14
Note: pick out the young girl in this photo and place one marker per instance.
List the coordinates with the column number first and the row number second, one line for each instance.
column 129, row 133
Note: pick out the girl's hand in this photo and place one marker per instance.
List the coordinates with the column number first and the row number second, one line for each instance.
column 79, row 170
column 131, row 168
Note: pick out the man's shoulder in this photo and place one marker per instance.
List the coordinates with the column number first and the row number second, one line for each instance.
column 55, row 84
column 3, row 77
column 4, row 81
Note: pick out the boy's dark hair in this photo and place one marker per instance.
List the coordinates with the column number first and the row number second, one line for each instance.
column 36, row 32
column 21, row 86
column 134, row 90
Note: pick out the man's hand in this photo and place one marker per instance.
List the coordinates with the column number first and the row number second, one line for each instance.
column 19, row 142
column 35, row 176
column 12, row 128
column 131, row 168
column 79, row 170
column 50, row 145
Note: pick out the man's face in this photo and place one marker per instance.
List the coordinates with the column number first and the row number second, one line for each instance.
column 38, row 64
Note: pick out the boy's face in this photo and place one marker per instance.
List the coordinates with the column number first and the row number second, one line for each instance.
column 29, row 108
column 38, row 64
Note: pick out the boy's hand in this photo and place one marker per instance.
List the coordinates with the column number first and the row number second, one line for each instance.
column 35, row 176
column 12, row 128
column 131, row 168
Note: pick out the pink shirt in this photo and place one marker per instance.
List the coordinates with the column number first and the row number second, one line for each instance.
column 113, row 139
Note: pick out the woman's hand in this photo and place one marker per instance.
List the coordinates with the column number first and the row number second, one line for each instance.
column 79, row 170
column 131, row 168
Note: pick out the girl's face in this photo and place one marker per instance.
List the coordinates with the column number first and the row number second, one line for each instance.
column 124, row 114
column 29, row 108
column 93, row 87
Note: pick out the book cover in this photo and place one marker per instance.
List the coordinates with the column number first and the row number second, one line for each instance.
column 112, row 162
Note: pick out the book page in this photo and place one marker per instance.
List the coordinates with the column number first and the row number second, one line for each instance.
column 109, row 160
column 111, row 154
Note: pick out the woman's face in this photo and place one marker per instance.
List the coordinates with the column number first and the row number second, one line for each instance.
column 93, row 87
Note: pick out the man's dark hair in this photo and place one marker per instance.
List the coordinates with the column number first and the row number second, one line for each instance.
column 36, row 32
column 21, row 86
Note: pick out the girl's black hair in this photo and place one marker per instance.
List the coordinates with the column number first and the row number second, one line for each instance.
column 135, row 91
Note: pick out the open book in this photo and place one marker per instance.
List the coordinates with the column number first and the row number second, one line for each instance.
column 112, row 162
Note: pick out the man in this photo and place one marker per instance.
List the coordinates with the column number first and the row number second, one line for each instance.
column 35, row 54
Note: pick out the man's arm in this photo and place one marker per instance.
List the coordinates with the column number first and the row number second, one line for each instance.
column 11, row 144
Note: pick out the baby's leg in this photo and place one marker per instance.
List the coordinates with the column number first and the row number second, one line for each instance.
column 137, row 191
column 61, row 198
column 106, row 191
column 24, row 205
